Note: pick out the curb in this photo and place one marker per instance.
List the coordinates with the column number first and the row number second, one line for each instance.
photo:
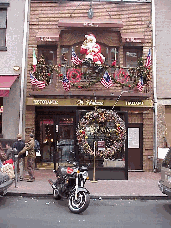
column 95, row 197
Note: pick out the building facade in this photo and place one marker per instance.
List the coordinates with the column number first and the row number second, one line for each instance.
column 11, row 55
column 163, row 19
column 56, row 29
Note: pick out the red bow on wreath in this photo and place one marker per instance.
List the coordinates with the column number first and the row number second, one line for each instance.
column 74, row 75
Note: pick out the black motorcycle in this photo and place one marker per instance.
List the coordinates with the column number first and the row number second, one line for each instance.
column 70, row 184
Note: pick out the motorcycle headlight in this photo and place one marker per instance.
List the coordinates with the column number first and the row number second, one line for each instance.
column 85, row 174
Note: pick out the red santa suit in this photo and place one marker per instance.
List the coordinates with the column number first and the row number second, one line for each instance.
column 92, row 50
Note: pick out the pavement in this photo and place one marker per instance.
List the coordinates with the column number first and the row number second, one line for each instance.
column 140, row 185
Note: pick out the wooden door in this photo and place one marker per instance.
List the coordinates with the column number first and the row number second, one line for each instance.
column 135, row 146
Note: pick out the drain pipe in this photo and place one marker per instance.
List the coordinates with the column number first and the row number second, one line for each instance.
column 154, row 87
column 24, row 67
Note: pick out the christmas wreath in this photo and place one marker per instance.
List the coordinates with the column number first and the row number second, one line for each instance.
column 101, row 125
column 74, row 75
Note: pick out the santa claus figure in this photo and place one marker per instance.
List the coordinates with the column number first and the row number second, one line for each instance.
column 92, row 50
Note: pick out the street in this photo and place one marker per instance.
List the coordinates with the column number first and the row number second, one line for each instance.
column 24, row 212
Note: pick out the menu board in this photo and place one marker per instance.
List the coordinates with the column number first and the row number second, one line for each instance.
column 133, row 137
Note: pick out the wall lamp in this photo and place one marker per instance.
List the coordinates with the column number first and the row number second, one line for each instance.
column 16, row 68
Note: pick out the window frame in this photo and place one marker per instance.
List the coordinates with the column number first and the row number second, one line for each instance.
column 109, row 59
column 46, row 48
column 3, row 7
column 137, row 49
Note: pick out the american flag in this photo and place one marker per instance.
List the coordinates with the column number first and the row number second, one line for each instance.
column 75, row 59
column 34, row 81
column 106, row 80
column 148, row 61
column 140, row 85
column 66, row 83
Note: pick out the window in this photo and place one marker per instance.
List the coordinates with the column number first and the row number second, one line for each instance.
column 110, row 54
column 131, row 56
column 49, row 53
column 3, row 25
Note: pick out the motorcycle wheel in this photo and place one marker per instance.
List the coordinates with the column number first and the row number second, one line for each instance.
column 79, row 205
column 55, row 195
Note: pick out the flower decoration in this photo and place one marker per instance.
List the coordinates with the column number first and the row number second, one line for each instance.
column 103, row 125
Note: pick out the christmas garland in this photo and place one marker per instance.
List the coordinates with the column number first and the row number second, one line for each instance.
column 87, row 73
column 103, row 125
column 124, row 77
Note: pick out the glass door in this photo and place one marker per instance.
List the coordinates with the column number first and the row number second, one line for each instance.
column 47, row 139
column 65, row 139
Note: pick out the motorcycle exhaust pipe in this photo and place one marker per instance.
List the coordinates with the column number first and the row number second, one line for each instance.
column 51, row 183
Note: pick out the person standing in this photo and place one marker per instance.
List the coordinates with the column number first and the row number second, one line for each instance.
column 19, row 145
column 3, row 156
column 30, row 157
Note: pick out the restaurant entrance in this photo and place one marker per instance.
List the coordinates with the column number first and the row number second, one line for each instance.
column 55, row 129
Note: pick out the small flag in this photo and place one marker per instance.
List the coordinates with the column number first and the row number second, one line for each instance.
column 148, row 61
column 34, row 60
column 106, row 80
column 75, row 59
column 66, row 83
column 34, row 81
column 140, row 85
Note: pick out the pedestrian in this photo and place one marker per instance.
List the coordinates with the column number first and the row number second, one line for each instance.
column 8, row 163
column 30, row 157
column 19, row 145
column 3, row 156
column 9, row 155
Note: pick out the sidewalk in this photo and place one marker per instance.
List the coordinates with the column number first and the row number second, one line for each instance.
column 138, row 185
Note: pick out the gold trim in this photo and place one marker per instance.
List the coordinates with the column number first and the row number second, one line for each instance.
column 86, row 102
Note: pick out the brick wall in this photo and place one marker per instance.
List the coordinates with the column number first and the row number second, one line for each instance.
column 30, row 121
column 44, row 17
column 145, row 116
column 148, row 132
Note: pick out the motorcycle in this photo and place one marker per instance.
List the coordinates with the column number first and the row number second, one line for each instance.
column 70, row 184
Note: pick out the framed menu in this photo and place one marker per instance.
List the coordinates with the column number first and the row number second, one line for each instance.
column 133, row 137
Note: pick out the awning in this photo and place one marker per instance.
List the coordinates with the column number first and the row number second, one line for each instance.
column 6, row 83
column 132, row 38
column 47, row 36
column 90, row 23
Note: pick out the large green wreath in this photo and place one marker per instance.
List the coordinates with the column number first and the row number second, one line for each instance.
column 101, row 125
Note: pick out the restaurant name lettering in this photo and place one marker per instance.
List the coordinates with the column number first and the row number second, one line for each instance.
column 45, row 102
column 90, row 102
column 90, row 25
column 47, row 38
column 134, row 103
column 134, row 40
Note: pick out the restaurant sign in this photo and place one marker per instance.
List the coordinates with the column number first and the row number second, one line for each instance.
column 87, row 102
column 45, row 102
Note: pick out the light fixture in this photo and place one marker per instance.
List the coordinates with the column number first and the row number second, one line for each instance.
column 16, row 68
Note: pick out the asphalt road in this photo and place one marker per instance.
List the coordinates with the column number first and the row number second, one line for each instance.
column 21, row 212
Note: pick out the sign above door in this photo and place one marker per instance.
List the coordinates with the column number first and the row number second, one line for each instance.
column 86, row 102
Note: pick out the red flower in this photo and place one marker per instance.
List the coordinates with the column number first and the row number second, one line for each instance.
column 49, row 74
column 60, row 75
column 59, row 65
